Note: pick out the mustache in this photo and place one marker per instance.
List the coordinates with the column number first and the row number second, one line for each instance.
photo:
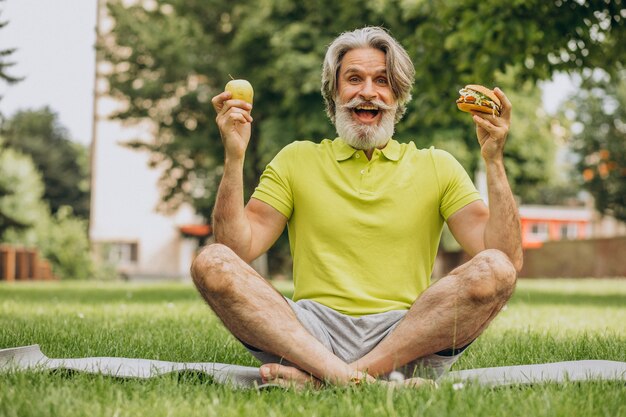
column 355, row 102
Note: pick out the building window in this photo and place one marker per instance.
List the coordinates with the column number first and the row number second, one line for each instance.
column 539, row 231
column 568, row 231
column 122, row 253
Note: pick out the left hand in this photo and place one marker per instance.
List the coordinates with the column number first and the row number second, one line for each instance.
column 492, row 130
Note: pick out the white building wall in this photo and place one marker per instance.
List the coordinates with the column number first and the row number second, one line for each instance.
column 125, row 227
column 125, row 197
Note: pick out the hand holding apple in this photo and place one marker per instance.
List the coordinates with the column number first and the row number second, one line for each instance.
column 233, row 117
column 240, row 90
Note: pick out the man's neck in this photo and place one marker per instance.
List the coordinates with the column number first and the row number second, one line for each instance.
column 370, row 152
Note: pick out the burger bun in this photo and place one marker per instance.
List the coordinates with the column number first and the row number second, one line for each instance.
column 484, row 90
column 469, row 107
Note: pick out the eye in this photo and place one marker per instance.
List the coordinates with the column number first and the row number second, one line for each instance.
column 382, row 81
column 354, row 79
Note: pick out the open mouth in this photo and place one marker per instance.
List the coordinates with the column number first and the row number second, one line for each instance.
column 366, row 112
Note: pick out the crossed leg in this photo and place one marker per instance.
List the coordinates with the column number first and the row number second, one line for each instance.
column 257, row 314
column 450, row 313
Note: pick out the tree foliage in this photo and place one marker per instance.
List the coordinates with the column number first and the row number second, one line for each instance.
column 599, row 113
column 25, row 218
column 5, row 64
column 21, row 189
column 62, row 239
column 62, row 163
column 170, row 57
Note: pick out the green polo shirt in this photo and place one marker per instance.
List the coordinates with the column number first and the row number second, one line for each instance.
column 364, row 233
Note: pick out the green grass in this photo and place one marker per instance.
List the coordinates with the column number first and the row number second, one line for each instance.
column 546, row 321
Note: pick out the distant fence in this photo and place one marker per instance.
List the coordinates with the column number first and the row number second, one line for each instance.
column 23, row 264
column 592, row 258
column 447, row 261
column 577, row 259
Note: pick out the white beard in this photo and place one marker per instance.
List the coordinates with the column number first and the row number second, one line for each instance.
column 361, row 136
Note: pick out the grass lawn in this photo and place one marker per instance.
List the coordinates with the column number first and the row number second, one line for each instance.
column 546, row 321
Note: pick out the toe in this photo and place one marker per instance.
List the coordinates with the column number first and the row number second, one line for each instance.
column 285, row 375
column 269, row 372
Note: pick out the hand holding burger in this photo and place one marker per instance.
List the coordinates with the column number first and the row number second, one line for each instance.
column 478, row 98
column 491, row 111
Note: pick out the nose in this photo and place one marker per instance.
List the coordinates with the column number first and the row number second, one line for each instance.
column 368, row 92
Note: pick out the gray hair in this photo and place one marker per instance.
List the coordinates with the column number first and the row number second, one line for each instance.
column 400, row 69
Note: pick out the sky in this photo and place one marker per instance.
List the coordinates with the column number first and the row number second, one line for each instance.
column 55, row 53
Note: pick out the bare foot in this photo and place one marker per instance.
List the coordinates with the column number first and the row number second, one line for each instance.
column 287, row 376
column 290, row 377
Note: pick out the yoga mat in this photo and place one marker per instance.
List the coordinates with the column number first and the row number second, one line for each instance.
column 32, row 358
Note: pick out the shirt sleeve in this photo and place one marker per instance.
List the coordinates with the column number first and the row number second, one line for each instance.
column 275, row 185
column 455, row 186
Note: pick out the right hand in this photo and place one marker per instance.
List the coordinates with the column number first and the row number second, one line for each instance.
column 234, row 121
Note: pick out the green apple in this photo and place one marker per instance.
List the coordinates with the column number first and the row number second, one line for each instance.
column 241, row 90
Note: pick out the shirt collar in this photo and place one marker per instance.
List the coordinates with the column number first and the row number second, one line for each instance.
column 344, row 151
column 392, row 150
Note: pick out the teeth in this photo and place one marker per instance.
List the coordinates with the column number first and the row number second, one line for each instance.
column 366, row 107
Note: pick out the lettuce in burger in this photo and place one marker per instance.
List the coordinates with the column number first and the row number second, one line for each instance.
column 478, row 98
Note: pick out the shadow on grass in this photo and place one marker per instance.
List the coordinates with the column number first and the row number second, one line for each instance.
column 100, row 293
column 105, row 294
column 539, row 297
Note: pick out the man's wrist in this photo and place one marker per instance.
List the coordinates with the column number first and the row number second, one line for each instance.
column 233, row 161
column 491, row 163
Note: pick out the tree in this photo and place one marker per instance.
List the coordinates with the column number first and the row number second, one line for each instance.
column 599, row 115
column 170, row 58
column 21, row 189
column 25, row 218
column 62, row 239
column 4, row 64
column 530, row 148
column 454, row 43
column 62, row 162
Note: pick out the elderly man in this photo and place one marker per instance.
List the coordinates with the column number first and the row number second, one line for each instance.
column 365, row 215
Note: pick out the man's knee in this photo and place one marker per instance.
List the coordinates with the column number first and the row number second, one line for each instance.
column 213, row 267
column 492, row 277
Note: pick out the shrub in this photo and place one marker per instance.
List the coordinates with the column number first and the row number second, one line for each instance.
column 62, row 239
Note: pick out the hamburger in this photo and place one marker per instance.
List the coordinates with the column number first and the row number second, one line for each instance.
column 478, row 98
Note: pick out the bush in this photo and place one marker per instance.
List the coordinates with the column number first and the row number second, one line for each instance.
column 25, row 219
column 62, row 239
column 21, row 192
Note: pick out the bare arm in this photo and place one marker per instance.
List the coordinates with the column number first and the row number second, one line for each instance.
column 248, row 231
column 475, row 227
column 503, row 229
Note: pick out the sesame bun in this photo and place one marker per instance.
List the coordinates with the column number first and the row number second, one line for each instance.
column 484, row 90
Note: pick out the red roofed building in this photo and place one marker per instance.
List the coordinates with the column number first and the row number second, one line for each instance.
column 543, row 223
column 196, row 230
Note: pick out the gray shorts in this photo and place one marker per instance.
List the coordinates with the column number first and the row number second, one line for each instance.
column 350, row 338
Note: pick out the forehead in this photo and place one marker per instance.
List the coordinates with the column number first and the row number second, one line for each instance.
column 363, row 59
